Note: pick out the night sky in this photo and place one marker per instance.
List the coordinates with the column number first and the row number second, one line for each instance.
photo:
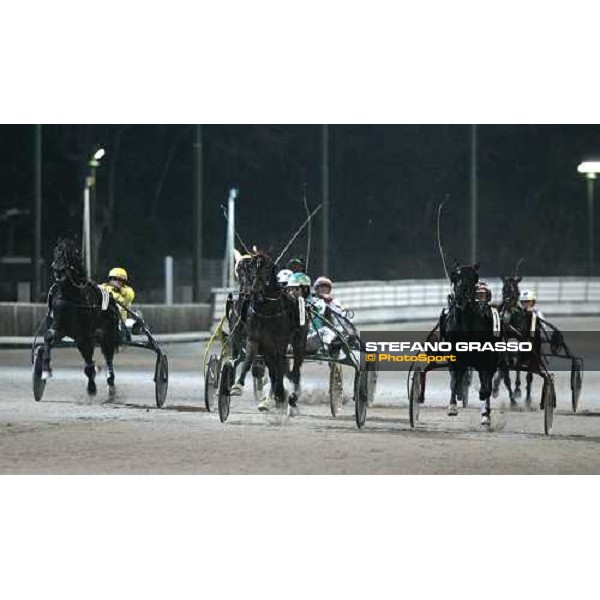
column 386, row 182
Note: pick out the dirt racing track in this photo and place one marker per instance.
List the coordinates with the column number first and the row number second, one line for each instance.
column 69, row 432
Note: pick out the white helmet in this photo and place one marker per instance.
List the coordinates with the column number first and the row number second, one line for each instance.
column 322, row 281
column 528, row 296
column 283, row 276
column 483, row 287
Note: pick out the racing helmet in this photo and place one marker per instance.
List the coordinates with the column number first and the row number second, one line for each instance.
column 283, row 277
column 303, row 280
column 483, row 288
column 294, row 280
column 322, row 281
column 118, row 273
column 528, row 296
column 296, row 265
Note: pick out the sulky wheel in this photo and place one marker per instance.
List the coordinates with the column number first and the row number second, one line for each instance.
column 360, row 398
column 548, row 404
column 372, row 375
column 576, row 383
column 225, row 383
column 39, row 384
column 211, row 382
column 161, row 379
column 336, row 389
column 414, row 396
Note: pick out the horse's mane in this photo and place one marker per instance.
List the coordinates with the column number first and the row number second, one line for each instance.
column 70, row 253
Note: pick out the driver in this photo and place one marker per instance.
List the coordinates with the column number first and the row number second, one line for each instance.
column 528, row 300
column 118, row 287
column 297, row 265
column 322, row 289
column 319, row 335
column 283, row 277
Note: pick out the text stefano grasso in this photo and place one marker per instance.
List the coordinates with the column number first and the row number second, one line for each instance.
column 510, row 346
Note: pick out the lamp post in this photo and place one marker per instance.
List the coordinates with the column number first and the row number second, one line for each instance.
column 90, row 181
column 229, row 264
column 590, row 169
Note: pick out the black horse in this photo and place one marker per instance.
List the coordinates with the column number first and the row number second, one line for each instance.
column 467, row 320
column 520, row 325
column 270, row 324
column 79, row 309
column 512, row 317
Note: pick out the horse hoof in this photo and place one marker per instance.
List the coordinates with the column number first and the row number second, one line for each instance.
column 514, row 405
column 453, row 410
column 266, row 405
column 486, row 421
column 517, row 393
column 46, row 375
column 495, row 393
column 292, row 411
column 91, row 388
column 112, row 391
column 236, row 390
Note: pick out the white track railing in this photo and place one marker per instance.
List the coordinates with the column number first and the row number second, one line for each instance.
column 416, row 299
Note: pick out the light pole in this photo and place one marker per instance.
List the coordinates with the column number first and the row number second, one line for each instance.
column 229, row 264
column 90, row 181
column 590, row 169
column 37, row 249
column 325, row 192
column 474, row 194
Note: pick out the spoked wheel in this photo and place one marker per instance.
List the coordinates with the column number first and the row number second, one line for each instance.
column 259, row 380
column 225, row 383
column 211, row 382
column 414, row 397
column 161, row 379
column 372, row 375
column 39, row 384
column 336, row 388
column 549, row 404
column 360, row 398
column 576, row 383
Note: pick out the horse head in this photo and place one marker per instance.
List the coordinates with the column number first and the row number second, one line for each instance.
column 510, row 290
column 464, row 278
column 261, row 274
column 67, row 264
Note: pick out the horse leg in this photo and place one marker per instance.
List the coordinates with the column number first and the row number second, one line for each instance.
column 108, row 346
column 464, row 388
column 279, row 389
column 485, row 392
column 86, row 349
column 268, row 401
column 299, row 349
column 507, row 383
column 518, row 385
column 456, row 376
column 529, row 382
column 496, row 384
column 50, row 338
column 295, row 378
column 251, row 352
